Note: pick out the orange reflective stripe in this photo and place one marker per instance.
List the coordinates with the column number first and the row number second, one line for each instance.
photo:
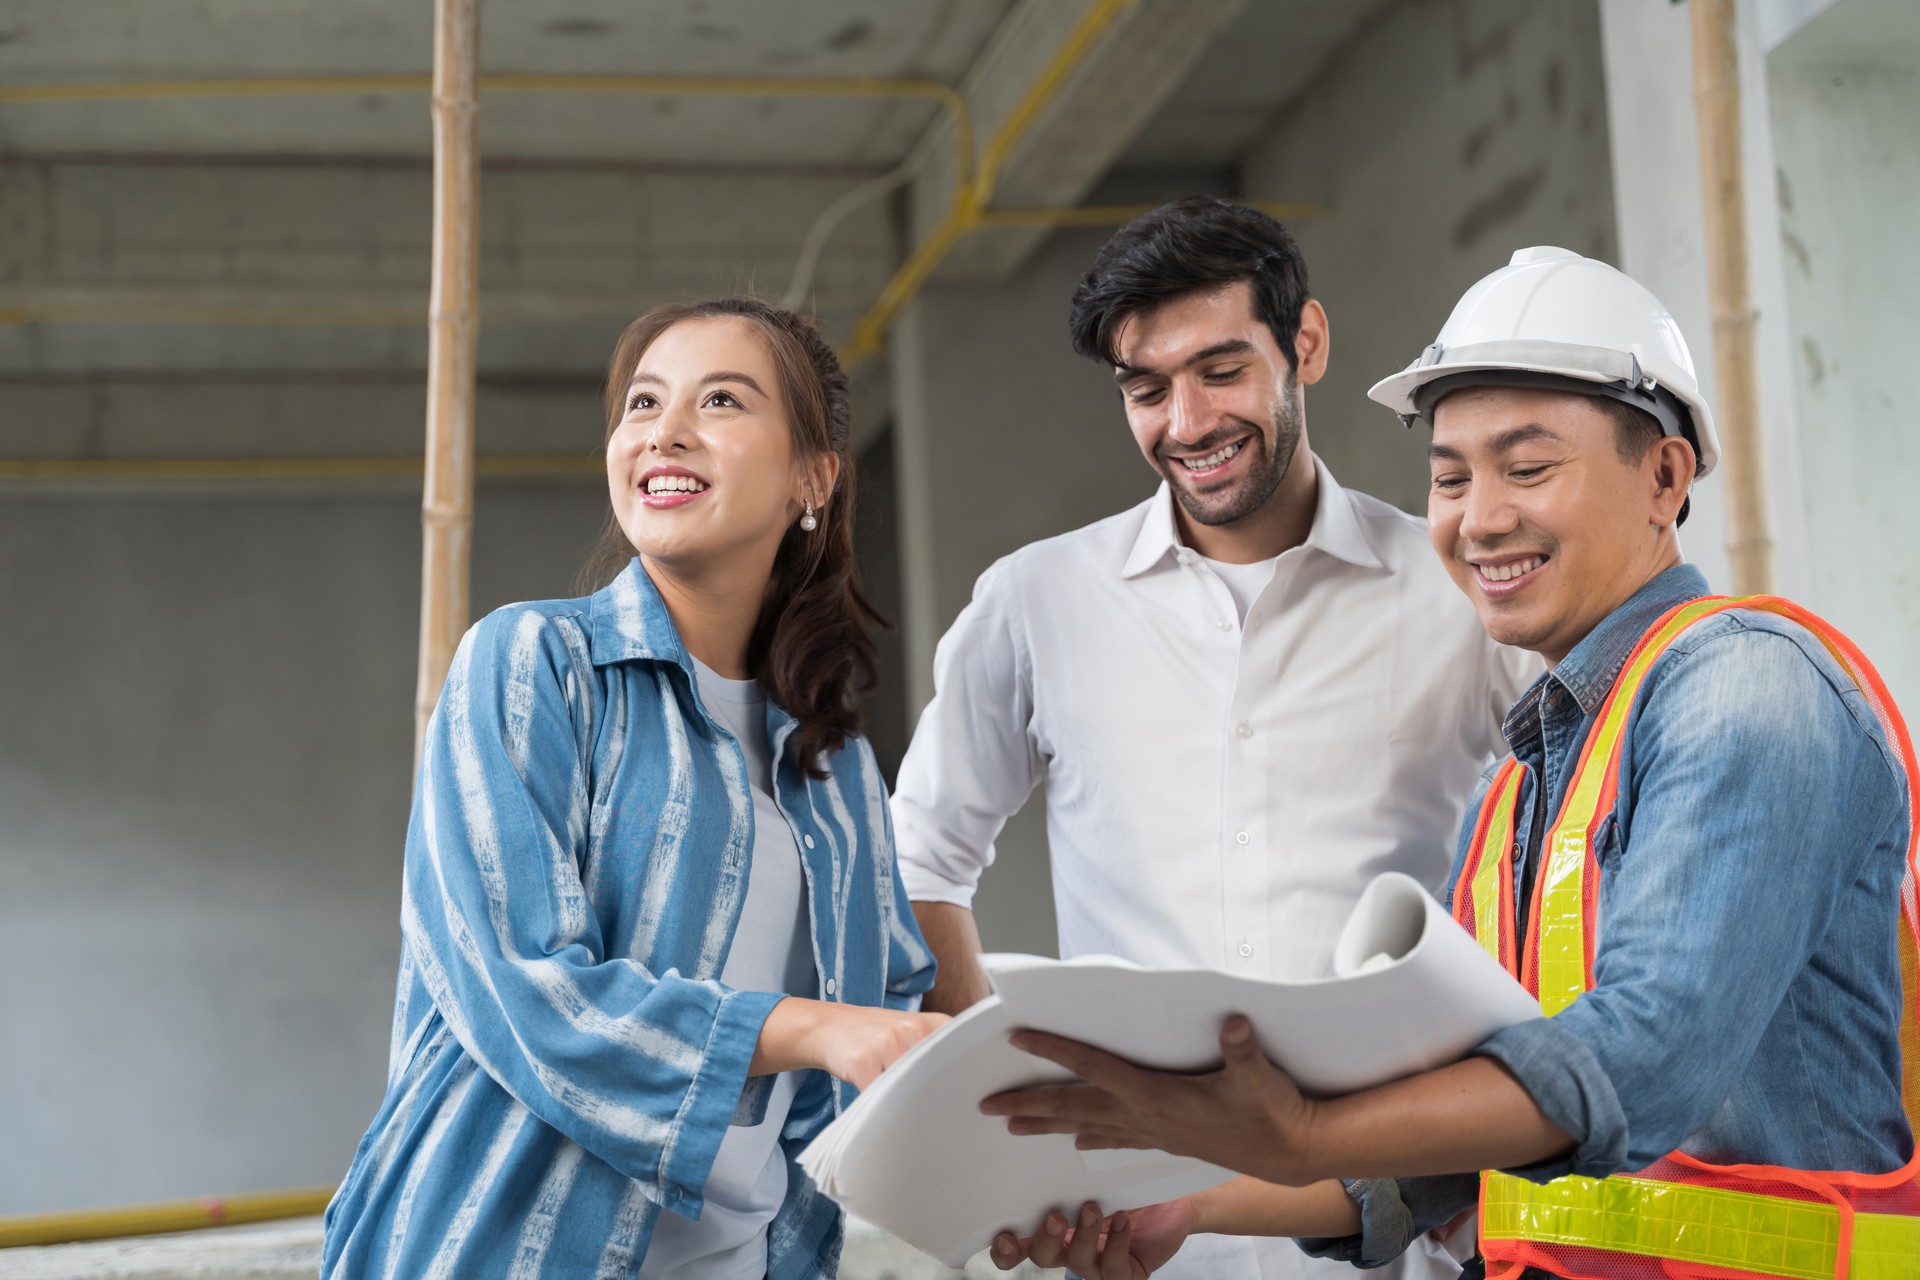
column 1483, row 899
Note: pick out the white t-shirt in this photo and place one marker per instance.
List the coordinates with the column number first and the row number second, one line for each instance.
column 772, row 951
column 1244, row 582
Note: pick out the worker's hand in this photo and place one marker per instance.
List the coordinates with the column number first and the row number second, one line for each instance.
column 1247, row 1116
column 850, row 1041
column 1127, row 1246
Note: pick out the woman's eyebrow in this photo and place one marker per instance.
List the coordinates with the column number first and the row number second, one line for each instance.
column 728, row 375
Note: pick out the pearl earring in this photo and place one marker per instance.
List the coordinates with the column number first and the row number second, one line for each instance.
column 807, row 521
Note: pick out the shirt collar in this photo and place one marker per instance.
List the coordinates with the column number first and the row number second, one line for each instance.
column 629, row 620
column 1589, row 670
column 1336, row 529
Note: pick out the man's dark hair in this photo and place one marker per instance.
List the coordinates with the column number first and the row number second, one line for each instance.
column 1634, row 432
column 1195, row 244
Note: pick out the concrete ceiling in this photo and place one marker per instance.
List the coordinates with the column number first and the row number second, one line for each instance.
column 1262, row 61
column 141, row 40
column 285, row 239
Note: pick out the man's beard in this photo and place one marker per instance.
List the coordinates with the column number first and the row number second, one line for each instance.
column 1269, row 463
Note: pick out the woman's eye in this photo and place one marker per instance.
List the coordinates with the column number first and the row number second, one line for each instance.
column 639, row 400
column 722, row 400
column 1447, row 484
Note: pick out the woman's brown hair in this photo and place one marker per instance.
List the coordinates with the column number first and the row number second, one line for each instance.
column 810, row 649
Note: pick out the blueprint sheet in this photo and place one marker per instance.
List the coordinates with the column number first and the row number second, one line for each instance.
column 1410, row 990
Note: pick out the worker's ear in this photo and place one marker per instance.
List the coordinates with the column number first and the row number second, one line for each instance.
column 1669, row 467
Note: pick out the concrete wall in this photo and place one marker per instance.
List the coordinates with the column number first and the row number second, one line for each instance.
column 205, row 785
column 1845, row 99
column 1649, row 69
column 1446, row 135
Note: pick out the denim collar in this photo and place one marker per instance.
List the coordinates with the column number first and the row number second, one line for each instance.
column 1336, row 529
column 627, row 620
column 1587, row 672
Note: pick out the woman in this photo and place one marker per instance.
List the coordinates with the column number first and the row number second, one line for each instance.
column 652, row 939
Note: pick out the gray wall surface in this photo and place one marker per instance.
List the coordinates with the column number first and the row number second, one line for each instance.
column 203, row 798
column 1443, row 138
column 1845, row 105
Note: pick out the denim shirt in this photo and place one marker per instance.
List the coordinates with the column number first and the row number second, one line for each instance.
column 1746, row 998
column 565, row 1060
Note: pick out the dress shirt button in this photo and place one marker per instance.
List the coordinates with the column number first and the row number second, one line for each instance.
column 1241, row 837
column 809, row 841
column 1185, row 556
column 1246, row 950
column 1223, row 624
column 830, row 986
column 1244, row 729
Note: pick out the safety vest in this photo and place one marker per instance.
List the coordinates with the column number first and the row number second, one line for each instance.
column 1680, row 1218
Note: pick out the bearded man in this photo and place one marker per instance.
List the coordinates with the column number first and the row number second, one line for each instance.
column 1248, row 695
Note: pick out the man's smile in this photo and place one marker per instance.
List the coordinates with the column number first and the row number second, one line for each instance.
column 1503, row 576
column 1210, row 465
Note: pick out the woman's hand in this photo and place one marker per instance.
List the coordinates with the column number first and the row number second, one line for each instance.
column 850, row 1041
column 1127, row 1246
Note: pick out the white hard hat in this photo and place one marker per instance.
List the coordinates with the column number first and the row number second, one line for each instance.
column 1551, row 318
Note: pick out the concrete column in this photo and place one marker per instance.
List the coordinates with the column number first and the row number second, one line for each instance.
column 1656, row 182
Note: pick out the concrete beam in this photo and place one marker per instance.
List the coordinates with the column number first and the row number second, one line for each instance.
column 1118, row 85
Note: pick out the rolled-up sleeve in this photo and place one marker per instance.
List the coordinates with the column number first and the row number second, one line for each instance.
column 1393, row 1214
column 971, row 764
column 643, row 1070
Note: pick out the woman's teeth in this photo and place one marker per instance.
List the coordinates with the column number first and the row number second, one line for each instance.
column 1508, row 572
column 1212, row 460
column 675, row 484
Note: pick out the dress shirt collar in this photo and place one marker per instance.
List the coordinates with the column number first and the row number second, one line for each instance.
column 1336, row 530
column 1588, row 672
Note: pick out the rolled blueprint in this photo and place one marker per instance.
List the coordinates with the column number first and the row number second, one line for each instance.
column 1410, row 990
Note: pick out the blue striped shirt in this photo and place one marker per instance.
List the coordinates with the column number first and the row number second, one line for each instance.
column 564, row 1059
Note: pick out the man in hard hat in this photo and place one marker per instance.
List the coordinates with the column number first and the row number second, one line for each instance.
column 1699, row 857
column 1246, row 696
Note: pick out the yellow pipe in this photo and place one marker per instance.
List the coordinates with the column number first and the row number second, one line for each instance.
column 970, row 198
column 152, row 1219
column 560, row 466
column 302, row 86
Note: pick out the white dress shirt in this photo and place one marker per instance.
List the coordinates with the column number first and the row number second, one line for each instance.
column 1219, row 790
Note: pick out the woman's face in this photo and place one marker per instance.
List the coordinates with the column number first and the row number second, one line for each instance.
column 702, row 467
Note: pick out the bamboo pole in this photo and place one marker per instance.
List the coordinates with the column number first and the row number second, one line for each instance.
column 453, row 327
column 1716, row 101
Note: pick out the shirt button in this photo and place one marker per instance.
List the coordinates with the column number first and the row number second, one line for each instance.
column 1223, row 624
column 1241, row 837
column 830, row 986
column 1185, row 556
column 809, row 841
column 1246, row 950
column 1244, row 729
